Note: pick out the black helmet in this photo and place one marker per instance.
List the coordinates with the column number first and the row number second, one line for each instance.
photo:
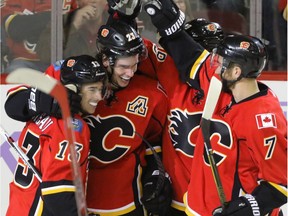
column 119, row 39
column 82, row 69
column 208, row 34
column 247, row 51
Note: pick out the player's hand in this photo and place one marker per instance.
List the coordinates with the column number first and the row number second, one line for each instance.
column 85, row 14
column 165, row 16
column 40, row 102
column 242, row 206
column 159, row 204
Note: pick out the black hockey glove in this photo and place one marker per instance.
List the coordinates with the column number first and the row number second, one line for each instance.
column 40, row 102
column 159, row 204
column 165, row 16
column 244, row 205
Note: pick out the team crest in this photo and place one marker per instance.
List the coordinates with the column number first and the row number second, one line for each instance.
column 138, row 106
column 70, row 62
column 244, row 45
column 211, row 27
column 184, row 123
column 104, row 32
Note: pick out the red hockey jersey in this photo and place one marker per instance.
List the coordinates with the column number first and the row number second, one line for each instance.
column 117, row 152
column 43, row 141
column 261, row 145
column 186, row 106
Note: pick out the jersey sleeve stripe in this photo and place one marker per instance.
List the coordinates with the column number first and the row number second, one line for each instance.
column 198, row 63
column 58, row 189
column 280, row 188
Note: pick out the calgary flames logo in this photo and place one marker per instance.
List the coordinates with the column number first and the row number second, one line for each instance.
column 244, row 45
column 70, row 62
column 104, row 32
column 211, row 27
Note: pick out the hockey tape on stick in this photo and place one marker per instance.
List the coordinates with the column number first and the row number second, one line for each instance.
column 211, row 102
column 21, row 154
column 55, row 89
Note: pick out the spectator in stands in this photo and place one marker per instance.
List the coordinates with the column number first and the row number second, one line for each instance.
column 81, row 34
column 80, row 30
column 23, row 22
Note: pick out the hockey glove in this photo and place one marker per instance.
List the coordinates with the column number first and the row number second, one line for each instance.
column 165, row 16
column 245, row 205
column 40, row 102
column 159, row 204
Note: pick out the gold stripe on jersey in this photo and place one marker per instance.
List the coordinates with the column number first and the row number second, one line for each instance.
column 280, row 188
column 188, row 210
column 158, row 149
column 11, row 92
column 39, row 208
column 113, row 212
column 58, row 189
column 198, row 64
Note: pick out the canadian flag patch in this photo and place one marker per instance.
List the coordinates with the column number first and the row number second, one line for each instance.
column 266, row 120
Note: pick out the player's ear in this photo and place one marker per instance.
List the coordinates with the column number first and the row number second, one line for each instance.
column 237, row 71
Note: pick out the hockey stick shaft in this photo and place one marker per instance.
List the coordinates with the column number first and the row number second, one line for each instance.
column 21, row 154
column 55, row 89
column 211, row 102
column 160, row 166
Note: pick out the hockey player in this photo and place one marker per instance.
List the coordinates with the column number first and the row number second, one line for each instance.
column 243, row 60
column 43, row 140
column 118, row 154
column 240, row 61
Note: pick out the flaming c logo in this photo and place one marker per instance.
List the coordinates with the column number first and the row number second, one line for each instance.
column 244, row 45
column 211, row 27
column 104, row 32
column 70, row 62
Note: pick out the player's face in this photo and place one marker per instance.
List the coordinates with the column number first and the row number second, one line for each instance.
column 124, row 70
column 91, row 94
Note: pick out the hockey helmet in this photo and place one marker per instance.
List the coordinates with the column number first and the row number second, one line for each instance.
column 82, row 69
column 208, row 34
column 119, row 39
column 247, row 51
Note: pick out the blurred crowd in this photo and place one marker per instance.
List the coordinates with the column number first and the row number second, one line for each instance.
column 27, row 43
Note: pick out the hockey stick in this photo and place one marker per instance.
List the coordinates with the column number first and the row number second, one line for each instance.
column 211, row 101
column 55, row 89
column 161, row 176
column 22, row 155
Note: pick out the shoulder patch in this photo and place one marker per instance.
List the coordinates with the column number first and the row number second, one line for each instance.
column 77, row 124
column 266, row 120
